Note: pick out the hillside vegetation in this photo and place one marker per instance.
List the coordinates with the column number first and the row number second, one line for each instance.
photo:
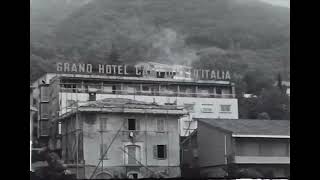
column 248, row 37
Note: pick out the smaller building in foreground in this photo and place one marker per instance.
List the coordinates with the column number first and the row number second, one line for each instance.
column 247, row 148
column 121, row 138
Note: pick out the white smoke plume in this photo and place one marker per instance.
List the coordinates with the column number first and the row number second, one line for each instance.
column 162, row 45
column 169, row 46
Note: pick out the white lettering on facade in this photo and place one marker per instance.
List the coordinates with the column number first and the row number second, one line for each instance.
column 204, row 74
column 59, row 67
column 74, row 68
column 66, row 67
column 89, row 68
column 82, row 68
column 101, row 68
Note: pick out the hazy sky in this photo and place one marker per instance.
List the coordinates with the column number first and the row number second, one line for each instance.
column 284, row 3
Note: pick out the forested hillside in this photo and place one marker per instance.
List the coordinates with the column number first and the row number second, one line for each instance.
column 248, row 37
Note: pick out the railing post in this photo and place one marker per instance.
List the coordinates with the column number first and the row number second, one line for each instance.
column 233, row 91
column 196, row 91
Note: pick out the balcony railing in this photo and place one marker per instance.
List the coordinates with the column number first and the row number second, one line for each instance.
column 150, row 93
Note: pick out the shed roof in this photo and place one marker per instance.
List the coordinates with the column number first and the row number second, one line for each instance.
column 247, row 127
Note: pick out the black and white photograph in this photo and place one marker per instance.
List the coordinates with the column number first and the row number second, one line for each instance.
column 159, row 89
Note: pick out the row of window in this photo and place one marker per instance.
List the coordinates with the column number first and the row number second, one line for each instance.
column 142, row 87
column 146, row 89
column 263, row 148
column 132, row 124
column 207, row 108
column 133, row 152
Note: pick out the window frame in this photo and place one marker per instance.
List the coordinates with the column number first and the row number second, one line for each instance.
column 203, row 107
column 156, row 151
column 103, row 123
column 103, row 148
column 137, row 157
column 223, row 110
column 163, row 125
column 92, row 96
column 135, row 124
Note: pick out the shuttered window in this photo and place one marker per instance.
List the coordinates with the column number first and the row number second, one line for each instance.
column 103, row 148
column 160, row 125
column 103, row 124
column 132, row 155
column 160, row 152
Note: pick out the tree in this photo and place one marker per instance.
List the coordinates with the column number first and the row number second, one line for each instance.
column 248, row 108
column 256, row 81
column 275, row 103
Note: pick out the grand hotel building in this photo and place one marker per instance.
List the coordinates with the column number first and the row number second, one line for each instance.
column 59, row 93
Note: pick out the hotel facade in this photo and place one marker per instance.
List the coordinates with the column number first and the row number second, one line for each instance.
column 202, row 93
column 57, row 93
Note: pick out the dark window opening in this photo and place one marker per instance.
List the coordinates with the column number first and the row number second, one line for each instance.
column 218, row 90
column 160, row 152
column 74, row 88
column 145, row 88
column 92, row 96
column 135, row 175
column 114, row 89
column 160, row 74
column 131, row 124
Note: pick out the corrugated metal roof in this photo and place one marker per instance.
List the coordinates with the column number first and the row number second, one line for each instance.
column 250, row 126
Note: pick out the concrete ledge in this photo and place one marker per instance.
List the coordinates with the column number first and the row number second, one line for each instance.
column 261, row 160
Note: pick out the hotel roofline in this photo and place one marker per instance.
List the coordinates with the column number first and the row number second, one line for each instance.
column 139, row 79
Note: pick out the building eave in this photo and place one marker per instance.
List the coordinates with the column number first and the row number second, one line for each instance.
column 142, row 79
column 122, row 110
column 133, row 110
column 260, row 136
